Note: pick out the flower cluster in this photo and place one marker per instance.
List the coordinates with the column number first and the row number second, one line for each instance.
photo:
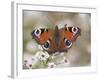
column 43, row 60
column 42, row 56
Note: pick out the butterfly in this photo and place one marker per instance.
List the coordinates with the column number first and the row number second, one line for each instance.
column 56, row 40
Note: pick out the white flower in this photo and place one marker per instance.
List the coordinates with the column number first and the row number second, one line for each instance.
column 65, row 61
column 34, row 60
column 51, row 65
column 62, row 54
column 40, row 47
column 42, row 55
column 52, row 57
column 56, row 53
column 30, row 62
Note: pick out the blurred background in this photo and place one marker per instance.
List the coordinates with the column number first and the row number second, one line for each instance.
column 79, row 54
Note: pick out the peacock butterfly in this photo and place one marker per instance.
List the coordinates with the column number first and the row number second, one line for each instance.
column 57, row 40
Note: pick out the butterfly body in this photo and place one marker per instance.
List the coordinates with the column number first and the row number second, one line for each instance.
column 57, row 40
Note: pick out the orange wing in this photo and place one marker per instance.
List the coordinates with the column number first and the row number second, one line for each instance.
column 68, row 36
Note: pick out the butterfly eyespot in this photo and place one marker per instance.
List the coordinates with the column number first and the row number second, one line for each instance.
column 68, row 43
column 46, row 45
column 37, row 32
column 74, row 30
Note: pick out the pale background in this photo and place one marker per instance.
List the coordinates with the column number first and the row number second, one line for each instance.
column 5, row 38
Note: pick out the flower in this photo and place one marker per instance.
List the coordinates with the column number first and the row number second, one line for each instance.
column 51, row 65
column 40, row 47
column 28, row 63
column 65, row 61
column 42, row 56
